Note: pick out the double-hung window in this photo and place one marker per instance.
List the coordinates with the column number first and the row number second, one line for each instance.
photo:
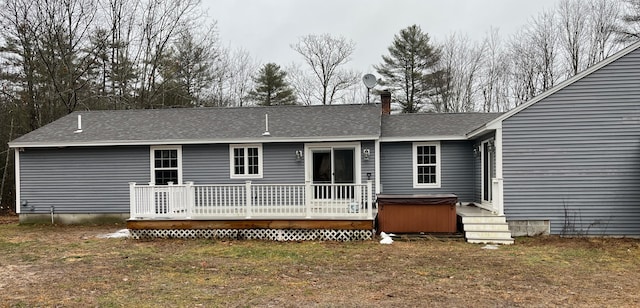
column 246, row 160
column 426, row 165
column 165, row 165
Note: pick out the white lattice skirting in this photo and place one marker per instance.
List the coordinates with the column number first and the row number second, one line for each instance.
column 258, row 234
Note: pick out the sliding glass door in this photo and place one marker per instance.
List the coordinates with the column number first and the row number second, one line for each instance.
column 333, row 166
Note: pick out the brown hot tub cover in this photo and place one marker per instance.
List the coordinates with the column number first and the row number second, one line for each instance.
column 417, row 213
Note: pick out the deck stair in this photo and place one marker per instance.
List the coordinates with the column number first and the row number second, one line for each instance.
column 483, row 227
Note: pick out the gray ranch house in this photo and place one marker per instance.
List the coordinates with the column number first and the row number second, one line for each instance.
column 566, row 162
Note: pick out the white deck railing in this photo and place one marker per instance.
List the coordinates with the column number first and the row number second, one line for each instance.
column 251, row 201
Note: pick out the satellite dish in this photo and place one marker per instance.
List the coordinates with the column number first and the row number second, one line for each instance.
column 369, row 80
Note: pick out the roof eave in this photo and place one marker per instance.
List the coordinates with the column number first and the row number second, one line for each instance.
column 490, row 126
column 266, row 139
column 424, row 138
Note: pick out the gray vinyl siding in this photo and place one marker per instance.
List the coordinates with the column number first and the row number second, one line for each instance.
column 81, row 179
column 95, row 179
column 209, row 164
column 369, row 166
column 477, row 176
column 457, row 169
column 574, row 157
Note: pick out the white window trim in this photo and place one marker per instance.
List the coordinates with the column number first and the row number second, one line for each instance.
column 246, row 157
column 152, row 178
column 414, row 165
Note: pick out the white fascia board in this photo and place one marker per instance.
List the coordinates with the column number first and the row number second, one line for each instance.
column 422, row 138
column 564, row 84
column 491, row 126
column 182, row 142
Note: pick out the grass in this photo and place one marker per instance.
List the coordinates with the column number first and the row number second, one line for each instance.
column 70, row 266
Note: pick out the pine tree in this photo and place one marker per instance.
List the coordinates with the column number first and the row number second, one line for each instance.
column 409, row 68
column 271, row 87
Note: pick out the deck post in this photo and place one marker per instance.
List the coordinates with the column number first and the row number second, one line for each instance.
column 153, row 208
column 171, row 205
column 496, row 195
column 248, row 198
column 307, row 198
column 132, row 200
column 369, row 203
column 190, row 199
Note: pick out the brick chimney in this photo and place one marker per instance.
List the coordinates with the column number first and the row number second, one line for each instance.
column 385, row 98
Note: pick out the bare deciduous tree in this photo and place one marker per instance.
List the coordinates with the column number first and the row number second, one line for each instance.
column 302, row 85
column 325, row 55
column 221, row 91
column 604, row 21
column 161, row 21
column 119, row 68
column 630, row 31
column 461, row 62
column 573, row 34
column 587, row 32
column 544, row 42
column 243, row 68
column 494, row 77
column 523, row 65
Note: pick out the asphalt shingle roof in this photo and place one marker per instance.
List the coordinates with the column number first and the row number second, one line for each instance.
column 247, row 124
column 210, row 124
column 433, row 124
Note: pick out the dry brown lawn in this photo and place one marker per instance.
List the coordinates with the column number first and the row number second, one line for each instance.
column 68, row 266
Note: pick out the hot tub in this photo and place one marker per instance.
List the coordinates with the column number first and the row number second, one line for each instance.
column 417, row 213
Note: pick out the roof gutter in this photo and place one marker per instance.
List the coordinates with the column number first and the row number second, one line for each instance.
column 423, row 138
column 186, row 141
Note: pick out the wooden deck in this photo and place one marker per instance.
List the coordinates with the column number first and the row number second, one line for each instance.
column 250, row 224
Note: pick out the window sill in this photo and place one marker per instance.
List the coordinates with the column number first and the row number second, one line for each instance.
column 426, row 185
column 253, row 176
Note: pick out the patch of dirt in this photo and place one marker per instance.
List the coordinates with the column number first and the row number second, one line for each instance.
column 8, row 219
column 19, row 276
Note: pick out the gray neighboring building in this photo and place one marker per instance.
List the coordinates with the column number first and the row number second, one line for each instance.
column 566, row 162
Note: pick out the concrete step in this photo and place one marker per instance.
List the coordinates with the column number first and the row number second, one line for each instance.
column 487, row 227
column 498, row 235
column 483, row 219
column 490, row 241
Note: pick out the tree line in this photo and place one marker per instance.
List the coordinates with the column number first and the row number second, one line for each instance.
column 59, row 56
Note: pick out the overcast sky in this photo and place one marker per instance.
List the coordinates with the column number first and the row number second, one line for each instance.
column 267, row 28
